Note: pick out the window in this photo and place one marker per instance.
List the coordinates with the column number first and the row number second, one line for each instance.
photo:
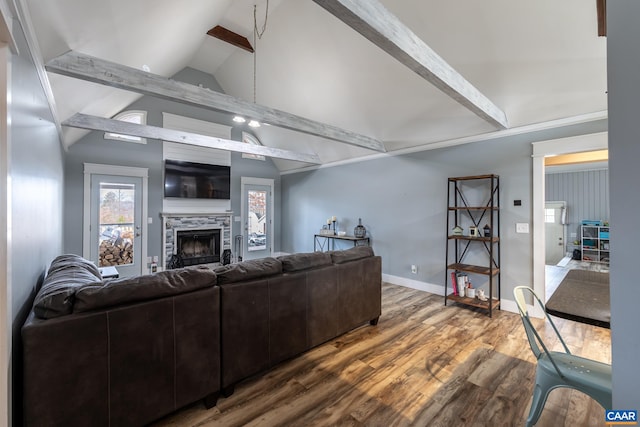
column 250, row 139
column 138, row 117
column 550, row 215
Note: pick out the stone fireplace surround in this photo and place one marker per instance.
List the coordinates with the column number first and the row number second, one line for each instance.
column 173, row 222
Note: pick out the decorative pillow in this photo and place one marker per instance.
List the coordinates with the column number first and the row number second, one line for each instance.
column 140, row 288
column 352, row 254
column 247, row 270
column 304, row 261
column 66, row 274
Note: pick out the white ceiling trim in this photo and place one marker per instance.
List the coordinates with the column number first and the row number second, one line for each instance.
column 552, row 124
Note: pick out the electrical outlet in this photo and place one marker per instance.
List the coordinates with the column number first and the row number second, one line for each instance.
column 414, row 269
column 522, row 227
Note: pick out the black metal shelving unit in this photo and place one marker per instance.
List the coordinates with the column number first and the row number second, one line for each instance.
column 474, row 201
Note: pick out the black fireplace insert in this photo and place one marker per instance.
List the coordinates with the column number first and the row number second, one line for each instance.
column 198, row 246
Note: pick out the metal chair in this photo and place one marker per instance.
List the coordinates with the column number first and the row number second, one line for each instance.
column 560, row 369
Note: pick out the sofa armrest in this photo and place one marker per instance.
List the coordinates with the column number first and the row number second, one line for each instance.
column 126, row 366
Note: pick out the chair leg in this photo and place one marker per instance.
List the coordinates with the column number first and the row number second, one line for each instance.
column 540, row 392
column 539, row 399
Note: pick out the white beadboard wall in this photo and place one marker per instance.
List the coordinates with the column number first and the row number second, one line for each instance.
column 586, row 194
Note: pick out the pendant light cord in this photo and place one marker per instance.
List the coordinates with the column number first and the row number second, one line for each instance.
column 257, row 35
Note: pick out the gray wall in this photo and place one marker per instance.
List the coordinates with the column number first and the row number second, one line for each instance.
column 586, row 194
column 402, row 202
column 93, row 148
column 36, row 170
column 623, row 53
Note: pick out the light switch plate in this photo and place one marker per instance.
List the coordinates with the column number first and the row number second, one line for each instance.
column 522, row 227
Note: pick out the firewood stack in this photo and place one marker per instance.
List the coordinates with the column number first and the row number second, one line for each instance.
column 115, row 252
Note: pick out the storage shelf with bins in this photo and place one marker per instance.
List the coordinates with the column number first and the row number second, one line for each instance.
column 474, row 201
column 594, row 243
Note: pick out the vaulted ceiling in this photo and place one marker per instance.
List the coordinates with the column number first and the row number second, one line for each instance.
column 538, row 62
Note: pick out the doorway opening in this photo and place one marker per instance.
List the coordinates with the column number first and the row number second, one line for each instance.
column 543, row 190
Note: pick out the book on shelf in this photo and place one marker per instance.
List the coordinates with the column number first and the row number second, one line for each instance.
column 454, row 282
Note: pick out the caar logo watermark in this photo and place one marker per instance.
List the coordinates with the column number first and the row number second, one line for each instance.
column 621, row 417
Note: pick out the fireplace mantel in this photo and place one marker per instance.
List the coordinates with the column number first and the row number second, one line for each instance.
column 182, row 221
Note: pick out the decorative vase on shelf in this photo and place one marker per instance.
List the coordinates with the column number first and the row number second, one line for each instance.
column 359, row 231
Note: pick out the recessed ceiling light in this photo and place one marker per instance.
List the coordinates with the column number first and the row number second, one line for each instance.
column 239, row 119
column 146, row 68
column 254, row 124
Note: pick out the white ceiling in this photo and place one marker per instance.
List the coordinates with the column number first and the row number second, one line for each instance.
column 538, row 61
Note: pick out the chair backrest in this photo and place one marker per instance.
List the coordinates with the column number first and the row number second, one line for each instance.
column 535, row 340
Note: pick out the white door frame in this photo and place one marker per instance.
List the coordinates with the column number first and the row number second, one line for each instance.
column 244, row 181
column 98, row 169
column 6, row 312
column 574, row 144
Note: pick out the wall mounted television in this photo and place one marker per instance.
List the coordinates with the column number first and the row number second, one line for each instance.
column 196, row 180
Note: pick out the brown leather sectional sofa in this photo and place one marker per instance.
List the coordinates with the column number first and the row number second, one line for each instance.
column 125, row 352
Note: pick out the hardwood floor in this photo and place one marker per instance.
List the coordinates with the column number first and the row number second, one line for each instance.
column 424, row 364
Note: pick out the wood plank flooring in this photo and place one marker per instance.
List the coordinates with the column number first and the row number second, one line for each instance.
column 424, row 364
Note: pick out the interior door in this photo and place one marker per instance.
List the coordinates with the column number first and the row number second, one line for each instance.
column 554, row 226
column 256, row 216
column 116, row 223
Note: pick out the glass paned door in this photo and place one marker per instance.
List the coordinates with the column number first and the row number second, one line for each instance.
column 256, row 225
column 257, row 221
column 116, row 223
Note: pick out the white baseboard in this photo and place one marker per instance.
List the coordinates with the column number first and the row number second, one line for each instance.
column 506, row 305
column 413, row 284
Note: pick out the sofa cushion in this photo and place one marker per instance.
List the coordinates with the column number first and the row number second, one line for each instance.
column 66, row 274
column 304, row 261
column 248, row 270
column 140, row 288
column 67, row 261
column 352, row 254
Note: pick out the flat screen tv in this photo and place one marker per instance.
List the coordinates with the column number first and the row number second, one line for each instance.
column 196, row 180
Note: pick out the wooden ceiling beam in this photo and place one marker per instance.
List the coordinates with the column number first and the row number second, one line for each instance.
column 371, row 19
column 89, row 68
column 230, row 37
column 84, row 121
